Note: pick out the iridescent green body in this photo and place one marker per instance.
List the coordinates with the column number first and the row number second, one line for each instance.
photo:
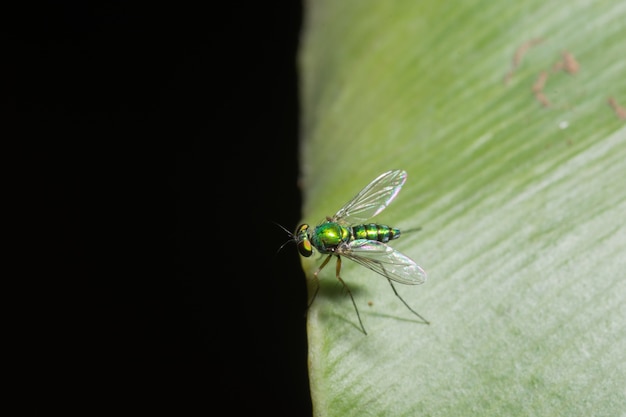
column 374, row 231
column 327, row 237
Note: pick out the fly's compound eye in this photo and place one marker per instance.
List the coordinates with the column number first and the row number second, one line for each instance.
column 302, row 240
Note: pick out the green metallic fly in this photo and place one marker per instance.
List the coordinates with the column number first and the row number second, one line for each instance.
column 347, row 235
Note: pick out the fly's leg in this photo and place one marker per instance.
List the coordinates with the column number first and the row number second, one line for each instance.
column 348, row 291
column 407, row 306
column 316, row 281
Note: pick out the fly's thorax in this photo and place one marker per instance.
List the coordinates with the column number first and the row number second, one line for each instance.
column 328, row 236
column 373, row 231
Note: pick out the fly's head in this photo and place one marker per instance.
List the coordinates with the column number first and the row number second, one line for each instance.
column 302, row 240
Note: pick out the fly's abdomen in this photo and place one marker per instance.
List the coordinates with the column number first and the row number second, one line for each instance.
column 373, row 231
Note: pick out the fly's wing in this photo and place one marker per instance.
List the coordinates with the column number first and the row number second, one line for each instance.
column 384, row 260
column 372, row 199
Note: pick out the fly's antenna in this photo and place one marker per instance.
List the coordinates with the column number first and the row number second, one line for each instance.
column 292, row 237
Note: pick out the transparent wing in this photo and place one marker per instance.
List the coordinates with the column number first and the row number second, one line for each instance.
column 372, row 199
column 384, row 260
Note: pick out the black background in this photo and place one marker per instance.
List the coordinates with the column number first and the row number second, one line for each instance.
column 162, row 140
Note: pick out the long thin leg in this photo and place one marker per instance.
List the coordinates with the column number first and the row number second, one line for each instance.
column 407, row 306
column 316, row 280
column 349, row 292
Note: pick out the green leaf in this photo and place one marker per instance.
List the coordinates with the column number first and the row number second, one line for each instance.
column 522, row 206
